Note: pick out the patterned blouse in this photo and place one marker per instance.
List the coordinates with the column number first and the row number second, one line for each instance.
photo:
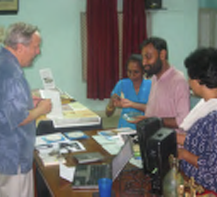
column 201, row 140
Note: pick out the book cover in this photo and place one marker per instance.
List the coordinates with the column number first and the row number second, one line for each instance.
column 88, row 157
column 51, row 138
column 49, row 160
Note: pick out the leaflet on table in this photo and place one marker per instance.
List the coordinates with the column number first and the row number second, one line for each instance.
column 57, row 142
column 53, row 153
column 109, row 134
column 75, row 135
column 112, row 146
column 66, row 172
column 51, row 148
column 50, row 138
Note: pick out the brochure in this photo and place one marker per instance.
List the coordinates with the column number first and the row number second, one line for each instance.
column 76, row 135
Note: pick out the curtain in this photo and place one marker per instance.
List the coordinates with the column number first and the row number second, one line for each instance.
column 102, row 48
column 134, row 29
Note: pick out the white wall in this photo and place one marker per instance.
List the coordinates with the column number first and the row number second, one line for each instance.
column 59, row 22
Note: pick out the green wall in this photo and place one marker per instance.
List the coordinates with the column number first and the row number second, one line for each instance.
column 208, row 3
column 59, row 22
column 178, row 25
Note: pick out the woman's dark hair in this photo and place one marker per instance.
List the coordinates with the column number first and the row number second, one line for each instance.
column 202, row 65
column 135, row 58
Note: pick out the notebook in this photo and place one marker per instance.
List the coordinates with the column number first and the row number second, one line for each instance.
column 88, row 157
column 87, row 176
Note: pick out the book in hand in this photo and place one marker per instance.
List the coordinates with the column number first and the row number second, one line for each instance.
column 88, row 157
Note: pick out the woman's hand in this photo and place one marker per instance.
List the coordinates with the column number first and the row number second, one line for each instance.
column 116, row 100
column 187, row 156
column 180, row 138
column 125, row 103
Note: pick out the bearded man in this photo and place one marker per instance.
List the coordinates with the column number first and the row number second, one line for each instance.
column 169, row 98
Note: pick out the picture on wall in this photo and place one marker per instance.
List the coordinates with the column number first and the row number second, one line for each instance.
column 9, row 6
column 2, row 30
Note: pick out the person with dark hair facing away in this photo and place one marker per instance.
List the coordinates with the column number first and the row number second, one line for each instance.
column 169, row 98
column 130, row 94
column 17, row 114
column 199, row 154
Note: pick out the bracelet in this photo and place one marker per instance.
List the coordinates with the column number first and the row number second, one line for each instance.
column 109, row 108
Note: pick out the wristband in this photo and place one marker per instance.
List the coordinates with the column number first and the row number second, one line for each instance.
column 109, row 108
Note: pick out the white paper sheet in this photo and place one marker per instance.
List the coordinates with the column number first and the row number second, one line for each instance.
column 67, row 172
column 47, row 78
column 56, row 111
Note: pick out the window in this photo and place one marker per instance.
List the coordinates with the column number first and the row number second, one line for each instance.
column 207, row 28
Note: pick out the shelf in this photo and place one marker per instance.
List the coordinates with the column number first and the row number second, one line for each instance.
column 155, row 9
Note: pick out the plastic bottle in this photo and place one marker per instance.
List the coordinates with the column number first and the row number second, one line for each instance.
column 173, row 181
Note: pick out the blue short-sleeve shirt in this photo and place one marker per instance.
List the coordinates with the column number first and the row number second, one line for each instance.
column 126, row 87
column 16, row 142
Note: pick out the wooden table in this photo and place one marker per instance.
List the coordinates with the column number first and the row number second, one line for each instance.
column 131, row 182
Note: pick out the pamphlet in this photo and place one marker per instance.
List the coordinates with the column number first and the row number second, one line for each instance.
column 47, row 78
column 76, row 135
column 52, row 147
column 110, row 134
column 54, row 95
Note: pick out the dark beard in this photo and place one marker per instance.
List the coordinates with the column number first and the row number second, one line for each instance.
column 154, row 68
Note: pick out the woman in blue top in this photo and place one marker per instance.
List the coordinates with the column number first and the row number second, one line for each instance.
column 130, row 94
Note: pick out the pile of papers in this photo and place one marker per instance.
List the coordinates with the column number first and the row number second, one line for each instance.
column 76, row 114
column 112, row 141
column 52, row 147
